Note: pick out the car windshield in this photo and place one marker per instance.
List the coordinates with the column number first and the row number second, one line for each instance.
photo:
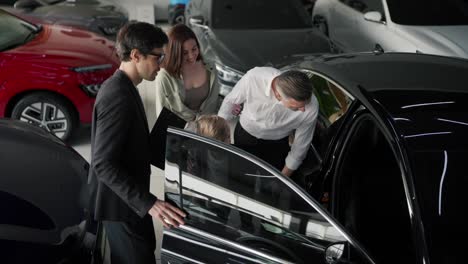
column 52, row 2
column 259, row 14
column 429, row 12
column 15, row 31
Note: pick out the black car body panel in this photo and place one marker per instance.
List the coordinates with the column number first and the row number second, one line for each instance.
column 43, row 195
column 387, row 162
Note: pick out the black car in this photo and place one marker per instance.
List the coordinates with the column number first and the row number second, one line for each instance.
column 176, row 11
column 7, row 2
column 43, row 217
column 384, row 180
column 238, row 35
column 100, row 16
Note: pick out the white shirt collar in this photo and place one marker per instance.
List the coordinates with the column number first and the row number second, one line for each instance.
column 268, row 88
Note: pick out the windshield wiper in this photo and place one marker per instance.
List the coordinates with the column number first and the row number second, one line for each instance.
column 33, row 32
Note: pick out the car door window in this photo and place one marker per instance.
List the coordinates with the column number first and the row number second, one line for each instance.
column 14, row 31
column 429, row 12
column 364, row 6
column 334, row 103
column 368, row 196
column 230, row 195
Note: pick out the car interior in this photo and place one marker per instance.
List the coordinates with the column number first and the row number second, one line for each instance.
column 334, row 104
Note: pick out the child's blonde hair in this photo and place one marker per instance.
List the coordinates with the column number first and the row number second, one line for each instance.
column 213, row 126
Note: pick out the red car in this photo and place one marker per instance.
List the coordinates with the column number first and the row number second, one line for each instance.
column 50, row 75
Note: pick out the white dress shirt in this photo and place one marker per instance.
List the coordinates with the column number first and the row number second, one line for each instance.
column 264, row 117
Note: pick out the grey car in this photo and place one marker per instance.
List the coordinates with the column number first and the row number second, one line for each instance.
column 100, row 16
column 238, row 35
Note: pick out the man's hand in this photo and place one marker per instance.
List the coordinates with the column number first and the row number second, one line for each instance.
column 236, row 109
column 169, row 215
column 287, row 171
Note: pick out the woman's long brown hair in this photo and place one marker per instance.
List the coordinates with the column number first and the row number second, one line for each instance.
column 178, row 34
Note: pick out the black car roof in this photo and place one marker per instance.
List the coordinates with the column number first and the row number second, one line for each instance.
column 396, row 71
column 421, row 94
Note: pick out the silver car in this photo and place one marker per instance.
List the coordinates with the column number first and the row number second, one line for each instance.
column 427, row 26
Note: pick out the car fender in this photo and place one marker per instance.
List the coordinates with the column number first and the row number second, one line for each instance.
column 407, row 43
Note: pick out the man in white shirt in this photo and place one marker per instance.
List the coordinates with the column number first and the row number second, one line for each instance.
column 275, row 104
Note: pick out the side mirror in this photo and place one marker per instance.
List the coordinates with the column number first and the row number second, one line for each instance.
column 26, row 4
column 374, row 16
column 334, row 253
column 196, row 21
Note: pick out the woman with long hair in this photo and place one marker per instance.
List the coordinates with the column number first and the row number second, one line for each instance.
column 186, row 85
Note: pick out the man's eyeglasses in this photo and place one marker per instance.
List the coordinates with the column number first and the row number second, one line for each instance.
column 160, row 57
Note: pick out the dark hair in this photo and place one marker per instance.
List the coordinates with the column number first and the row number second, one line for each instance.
column 141, row 36
column 174, row 57
column 295, row 85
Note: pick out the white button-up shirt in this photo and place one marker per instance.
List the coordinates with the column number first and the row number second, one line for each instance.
column 264, row 117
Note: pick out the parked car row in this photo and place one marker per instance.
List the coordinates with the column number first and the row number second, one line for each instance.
column 382, row 182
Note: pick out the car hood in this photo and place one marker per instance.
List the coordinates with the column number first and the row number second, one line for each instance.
column 245, row 49
column 82, row 47
column 439, row 40
column 80, row 11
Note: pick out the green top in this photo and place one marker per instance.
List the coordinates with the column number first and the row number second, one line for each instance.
column 170, row 93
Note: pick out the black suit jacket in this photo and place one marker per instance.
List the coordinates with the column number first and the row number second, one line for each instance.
column 120, row 153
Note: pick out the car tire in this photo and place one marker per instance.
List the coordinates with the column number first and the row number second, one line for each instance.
column 179, row 17
column 321, row 24
column 48, row 111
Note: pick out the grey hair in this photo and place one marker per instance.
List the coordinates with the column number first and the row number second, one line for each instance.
column 294, row 84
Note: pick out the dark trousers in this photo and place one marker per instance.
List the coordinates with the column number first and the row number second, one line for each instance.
column 131, row 242
column 273, row 152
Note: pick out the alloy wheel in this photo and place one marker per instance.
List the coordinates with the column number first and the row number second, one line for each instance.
column 47, row 116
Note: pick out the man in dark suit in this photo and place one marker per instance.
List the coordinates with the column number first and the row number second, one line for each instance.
column 120, row 145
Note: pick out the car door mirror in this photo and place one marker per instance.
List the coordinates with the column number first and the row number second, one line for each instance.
column 26, row 4
column 374, row 16
column 197, row 21
column 334, row 253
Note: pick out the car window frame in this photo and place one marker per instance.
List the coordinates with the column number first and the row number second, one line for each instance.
column 362, row 113
column 345, row 117
column 288, row 182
